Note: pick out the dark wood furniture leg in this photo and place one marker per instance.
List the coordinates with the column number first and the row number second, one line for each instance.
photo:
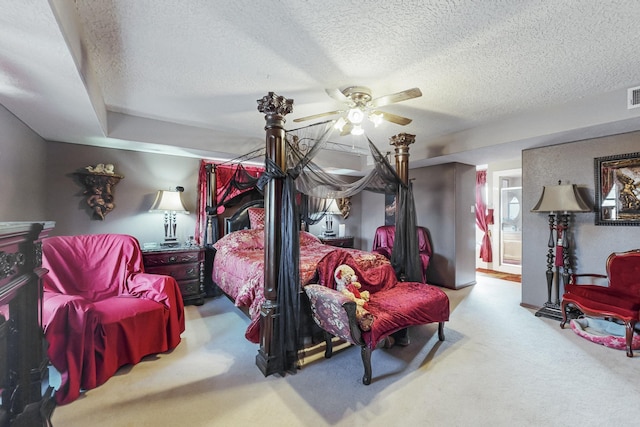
column 328, row 351
column 365, row 352
column 441, row 331
column 629, row 326
column 563, row 309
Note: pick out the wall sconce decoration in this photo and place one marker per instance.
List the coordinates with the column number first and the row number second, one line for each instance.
column 169, row 202
column 558, row 201
column 344, row 204
column 99, row 182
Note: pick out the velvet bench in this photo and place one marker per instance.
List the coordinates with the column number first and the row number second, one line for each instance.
column 394, row 305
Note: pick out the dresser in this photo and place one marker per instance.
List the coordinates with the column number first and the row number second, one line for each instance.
column 23, row 348
column 185, row 264
column 341, row 242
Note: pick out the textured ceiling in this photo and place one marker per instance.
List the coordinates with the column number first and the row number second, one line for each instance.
column 184, row 76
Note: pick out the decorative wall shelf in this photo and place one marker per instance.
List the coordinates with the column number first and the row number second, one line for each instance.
column 99, row 187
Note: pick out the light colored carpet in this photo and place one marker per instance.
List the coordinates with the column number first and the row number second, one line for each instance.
column 499, row 366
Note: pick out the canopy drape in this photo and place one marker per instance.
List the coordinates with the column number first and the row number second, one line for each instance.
column 306, row 188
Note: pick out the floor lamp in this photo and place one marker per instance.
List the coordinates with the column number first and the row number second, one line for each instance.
column 558, row 201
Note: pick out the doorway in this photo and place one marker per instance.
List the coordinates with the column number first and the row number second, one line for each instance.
column 507, row 235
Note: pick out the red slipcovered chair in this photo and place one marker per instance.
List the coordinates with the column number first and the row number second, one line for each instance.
column 619, row 300
column 394, row 305
column 383, row 244
column 102, row 311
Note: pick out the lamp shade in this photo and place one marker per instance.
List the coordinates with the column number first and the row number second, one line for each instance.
column 561, row 198
column 333, row 207
column 168, row 201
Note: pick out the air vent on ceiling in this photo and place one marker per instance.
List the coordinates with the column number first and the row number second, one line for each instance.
column 633, row 97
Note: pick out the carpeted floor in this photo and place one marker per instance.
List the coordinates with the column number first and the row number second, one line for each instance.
column 499, row 366
column 499, row 275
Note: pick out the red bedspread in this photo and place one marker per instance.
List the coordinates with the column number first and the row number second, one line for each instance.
column 238, row 268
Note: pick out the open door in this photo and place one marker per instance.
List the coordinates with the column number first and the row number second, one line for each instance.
column 507, row 195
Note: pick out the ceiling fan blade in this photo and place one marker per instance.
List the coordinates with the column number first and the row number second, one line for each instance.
column 346, row 130
column 317, row 116
column 396, row 97
column 337, row 95
column 399, row 120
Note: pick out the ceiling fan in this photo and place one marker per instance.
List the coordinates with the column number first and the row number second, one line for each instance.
column 360, row 104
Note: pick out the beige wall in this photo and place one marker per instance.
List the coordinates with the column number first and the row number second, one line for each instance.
column 22, row 171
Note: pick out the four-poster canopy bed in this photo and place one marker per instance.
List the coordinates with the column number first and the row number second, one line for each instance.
column 265, row 266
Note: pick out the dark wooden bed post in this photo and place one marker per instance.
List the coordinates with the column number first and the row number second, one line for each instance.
column 275, row 108
column 402, row 141
column 211, row 229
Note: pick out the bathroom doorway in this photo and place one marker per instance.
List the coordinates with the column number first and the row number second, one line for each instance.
column 507, row 234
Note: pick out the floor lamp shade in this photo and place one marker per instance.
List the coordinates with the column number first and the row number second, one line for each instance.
column 561, row 198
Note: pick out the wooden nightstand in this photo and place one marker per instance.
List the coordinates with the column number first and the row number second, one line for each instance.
column 185, row 264
column 341, row 242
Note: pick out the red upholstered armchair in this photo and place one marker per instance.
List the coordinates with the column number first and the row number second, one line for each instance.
column 619, row 300
column 394, row 305
column 102, row 311
column 383, row 244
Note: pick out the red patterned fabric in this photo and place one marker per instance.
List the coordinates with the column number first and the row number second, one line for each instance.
column 326, row 309
column 238, row 268
column 102, row 311
column 395, row 305
column 256, row 217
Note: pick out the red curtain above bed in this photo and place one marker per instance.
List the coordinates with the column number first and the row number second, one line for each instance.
column 225, row 188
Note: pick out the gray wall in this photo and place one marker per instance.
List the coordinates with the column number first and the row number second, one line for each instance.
column 573, row 163
column 144, row 174
column 444, row 195
column 22, row 171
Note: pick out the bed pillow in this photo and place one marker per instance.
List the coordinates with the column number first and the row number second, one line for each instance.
column 241, row 240
column 307, row 238
column 256, row 217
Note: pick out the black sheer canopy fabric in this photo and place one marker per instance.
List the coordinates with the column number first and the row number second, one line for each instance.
column 307, row 190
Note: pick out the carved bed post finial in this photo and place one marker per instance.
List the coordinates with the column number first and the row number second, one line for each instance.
column 275, row 108
column 272, row 104
column 402, row 141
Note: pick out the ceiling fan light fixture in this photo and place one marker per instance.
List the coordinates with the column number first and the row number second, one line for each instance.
column 339, row 125
column 357, row 130
column 376, row 119
column 355, row 116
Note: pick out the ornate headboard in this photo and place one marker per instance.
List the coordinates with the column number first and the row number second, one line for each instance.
column 240, row 219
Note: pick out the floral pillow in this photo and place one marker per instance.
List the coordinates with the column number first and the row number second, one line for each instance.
column 241, row 240
column 256, row 217
column 308, row 239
